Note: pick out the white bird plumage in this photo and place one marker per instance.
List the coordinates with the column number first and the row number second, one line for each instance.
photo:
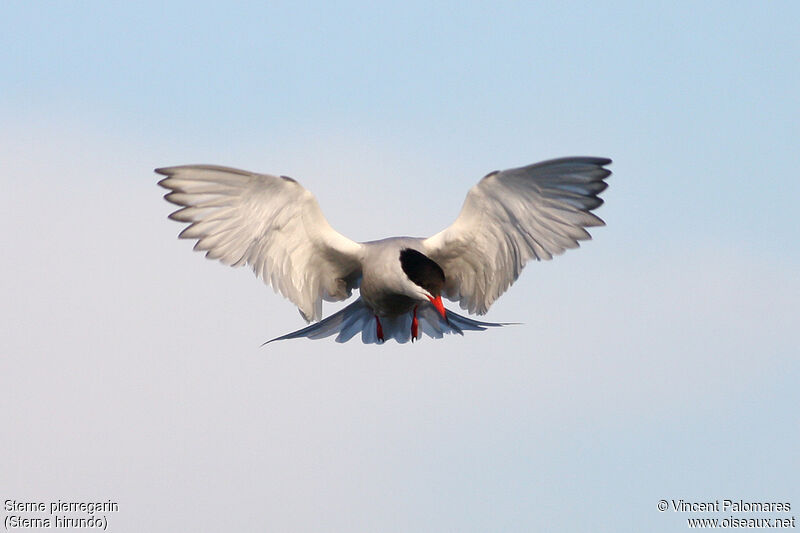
column 276, row 226
column 511, row 217
column 271, row 223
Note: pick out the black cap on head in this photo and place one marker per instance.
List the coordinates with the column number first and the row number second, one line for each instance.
column 422, row 270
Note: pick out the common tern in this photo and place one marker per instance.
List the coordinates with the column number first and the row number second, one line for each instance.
column 275, row 225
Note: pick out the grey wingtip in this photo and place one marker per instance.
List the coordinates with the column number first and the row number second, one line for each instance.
column 592, row 160
column 579, row 159
column 281, row 338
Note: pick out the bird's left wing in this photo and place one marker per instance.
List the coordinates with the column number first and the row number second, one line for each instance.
column 510, row 217
column 271, row 223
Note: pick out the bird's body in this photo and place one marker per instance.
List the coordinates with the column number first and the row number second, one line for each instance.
column 276, row 226
column 384, row 285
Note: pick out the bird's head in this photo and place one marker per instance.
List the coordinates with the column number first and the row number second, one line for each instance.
column 427, row 276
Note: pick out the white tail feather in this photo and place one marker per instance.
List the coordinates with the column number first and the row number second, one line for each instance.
column 358, row 317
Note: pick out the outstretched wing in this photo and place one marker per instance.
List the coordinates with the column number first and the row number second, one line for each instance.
column 510, row 217
column 271, row 223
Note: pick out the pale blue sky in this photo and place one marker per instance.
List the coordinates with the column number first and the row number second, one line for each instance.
column 658, row 361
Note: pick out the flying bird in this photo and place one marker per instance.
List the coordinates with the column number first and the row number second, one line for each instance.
column 276, row 226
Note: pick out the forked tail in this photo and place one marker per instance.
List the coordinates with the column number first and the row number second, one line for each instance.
column 358, row 318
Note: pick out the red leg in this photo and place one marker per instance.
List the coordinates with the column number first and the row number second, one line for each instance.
column 414, row 326
column 379, row 329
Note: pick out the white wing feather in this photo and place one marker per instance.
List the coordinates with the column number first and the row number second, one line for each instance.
column 271, row 223
column 511, row 217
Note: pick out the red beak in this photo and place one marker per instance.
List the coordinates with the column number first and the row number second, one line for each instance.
column 437, row 303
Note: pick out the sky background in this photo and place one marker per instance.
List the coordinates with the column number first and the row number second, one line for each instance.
column 659, row 361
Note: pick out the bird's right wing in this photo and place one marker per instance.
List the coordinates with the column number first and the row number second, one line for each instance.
column 271, row 223
column 510, row 217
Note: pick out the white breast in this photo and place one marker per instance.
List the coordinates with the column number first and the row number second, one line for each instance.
column 384, row 285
